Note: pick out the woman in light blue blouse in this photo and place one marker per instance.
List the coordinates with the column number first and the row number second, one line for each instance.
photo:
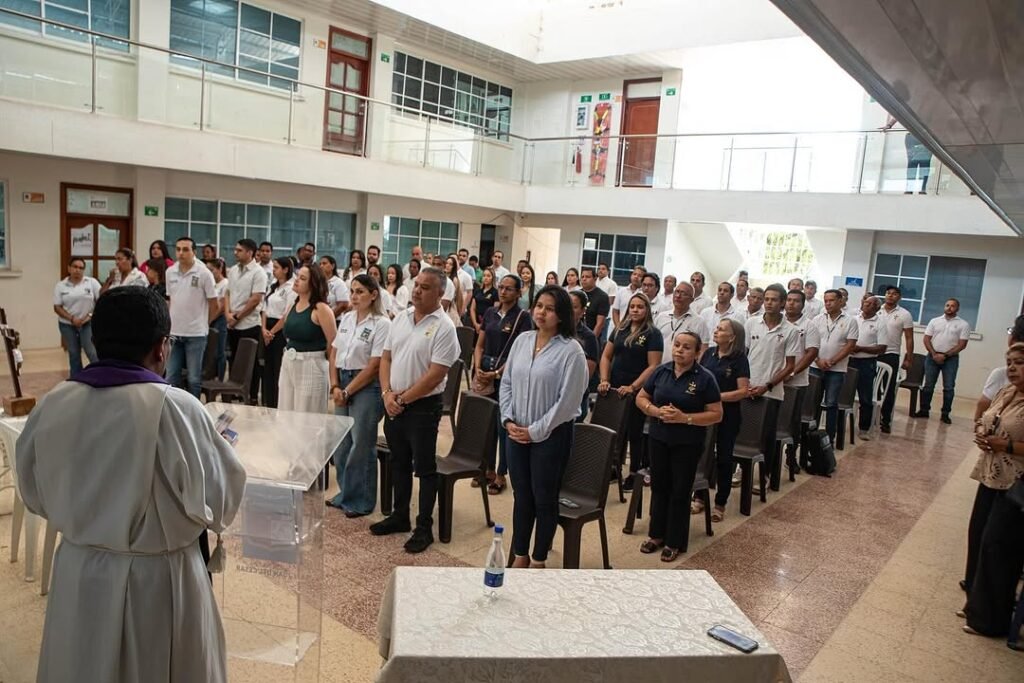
column 541, row 389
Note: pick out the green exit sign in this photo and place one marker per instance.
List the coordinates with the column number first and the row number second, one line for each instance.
column 374, row 226
column 385, row 57
column 586, row 98
column 604, row 96
column 670, row 92
column 152, row 210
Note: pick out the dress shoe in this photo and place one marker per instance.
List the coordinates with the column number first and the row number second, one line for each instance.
column 419, row 541
column 921, row 413
column 945, row 419
column 390, row 525
column 886, row 429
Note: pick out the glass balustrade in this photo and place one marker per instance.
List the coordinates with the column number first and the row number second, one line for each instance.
column 125, row 79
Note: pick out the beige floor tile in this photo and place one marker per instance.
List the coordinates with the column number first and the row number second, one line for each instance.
column 840, row 666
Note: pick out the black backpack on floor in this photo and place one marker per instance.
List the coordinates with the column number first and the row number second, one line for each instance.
column 821, row 456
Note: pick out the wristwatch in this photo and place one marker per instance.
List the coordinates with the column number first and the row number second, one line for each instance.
column 399, row 400
column 689, row 419
column 344, row 394
column 770, row 386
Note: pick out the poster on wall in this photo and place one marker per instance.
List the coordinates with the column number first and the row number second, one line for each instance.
column 582, row 117
column 82, row 241
column 599, row 152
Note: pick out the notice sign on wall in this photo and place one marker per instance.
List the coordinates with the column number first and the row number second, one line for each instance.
column 82, row 241
column 33, row 197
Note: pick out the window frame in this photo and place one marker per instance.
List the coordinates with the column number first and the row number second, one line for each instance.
column 496, row 127
column 5, row 224
column 45, row 30
column 928, row 272
column 190, row 61
column 613, row 252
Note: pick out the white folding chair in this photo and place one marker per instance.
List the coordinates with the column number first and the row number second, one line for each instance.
column 883, row 377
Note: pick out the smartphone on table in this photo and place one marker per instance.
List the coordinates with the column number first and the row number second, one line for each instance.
column 733, row 639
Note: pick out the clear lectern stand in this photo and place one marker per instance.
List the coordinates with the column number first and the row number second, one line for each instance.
column 270, row 593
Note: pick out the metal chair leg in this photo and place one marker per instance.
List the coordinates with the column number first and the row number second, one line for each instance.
column 604, row 541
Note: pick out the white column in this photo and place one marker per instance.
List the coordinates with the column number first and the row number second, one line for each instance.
column 153, row 27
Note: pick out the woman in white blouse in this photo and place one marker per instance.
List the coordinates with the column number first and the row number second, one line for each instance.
column 126, row 272
column 219, row 269
column 74, row 297
column 355, row 390
column 386, row 300
column 393, row 285
column 356, row 265
column 279, row 299
column 337, row 288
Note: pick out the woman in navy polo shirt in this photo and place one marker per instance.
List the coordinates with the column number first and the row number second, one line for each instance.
column 727, row 361
column 682, row 398
column 629, row 358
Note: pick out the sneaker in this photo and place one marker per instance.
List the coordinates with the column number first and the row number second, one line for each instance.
column 419, row 541
column 646, row 471
column 390, row 525
column 863, row 435
column 945, row 419
column 737, row 478
column 886, row 429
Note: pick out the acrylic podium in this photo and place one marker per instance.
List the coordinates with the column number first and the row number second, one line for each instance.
column 270, row 592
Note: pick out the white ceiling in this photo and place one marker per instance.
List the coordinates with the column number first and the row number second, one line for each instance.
column 614, row 37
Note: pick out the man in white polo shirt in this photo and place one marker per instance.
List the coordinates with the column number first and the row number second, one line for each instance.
column 839, row 333
column 500, row 271
column 624, row 294
column 772, row 348
column 605, row 282
column 723, row 308
column 755, row 305
column 700, row 299
column 899, row 327
column 265, row 256
column 944, row 338
column 651, row 287
column 808, row 343
column 812, row 307
column 740, row 302
column 872, row 340
column 193, row 305
column 421, row 348
column 680, row 318
column 247, row 284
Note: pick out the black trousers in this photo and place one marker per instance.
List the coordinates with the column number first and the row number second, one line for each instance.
column 233, row 338
column 993, row 592
column 983, row 501
column 412, row 438
column 673, row 469
column 272, row 355
column 889, row 402
column 725, row 442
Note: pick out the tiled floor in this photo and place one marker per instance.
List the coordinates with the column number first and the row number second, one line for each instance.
column 852, row 578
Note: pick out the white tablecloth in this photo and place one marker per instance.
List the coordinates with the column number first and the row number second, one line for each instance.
column 564, row 626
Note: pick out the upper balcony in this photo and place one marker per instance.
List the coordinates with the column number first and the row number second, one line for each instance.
column 122, row 101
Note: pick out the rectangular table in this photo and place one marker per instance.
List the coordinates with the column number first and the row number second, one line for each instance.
column 563, row 626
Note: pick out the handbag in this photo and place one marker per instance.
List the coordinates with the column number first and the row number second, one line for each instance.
column 485, row 386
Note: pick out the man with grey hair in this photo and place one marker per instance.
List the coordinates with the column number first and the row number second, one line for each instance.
column 422, row 346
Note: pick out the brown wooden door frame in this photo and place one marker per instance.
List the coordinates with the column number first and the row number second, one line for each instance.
column 359, row 142
column 624, row 123
column 127, row 235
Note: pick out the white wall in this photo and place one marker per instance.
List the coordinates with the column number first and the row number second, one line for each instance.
column 1000, row 298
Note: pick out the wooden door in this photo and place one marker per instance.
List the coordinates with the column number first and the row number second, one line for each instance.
column 636, row 155
column 348, row 70
column 96, row 239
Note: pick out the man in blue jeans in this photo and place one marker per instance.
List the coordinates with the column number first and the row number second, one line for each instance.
column 193, row 303
column 944, row 338
column 838, row 332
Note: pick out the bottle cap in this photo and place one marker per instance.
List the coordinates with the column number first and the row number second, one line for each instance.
column 499, row 529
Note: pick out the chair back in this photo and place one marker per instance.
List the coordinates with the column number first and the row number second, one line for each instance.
column 452, row 389
column 243, row 363
column 612, row 411
column 812, row 399
column 476, row 431
column 752, row 428
column 915, row 375
column 848, row 391
column 467, row 342
column 210, row 356
column 585, row 479
column 706, row 466
column 883, row 378
column 788, row 412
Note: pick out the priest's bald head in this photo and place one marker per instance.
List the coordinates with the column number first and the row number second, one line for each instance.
column 133, row 325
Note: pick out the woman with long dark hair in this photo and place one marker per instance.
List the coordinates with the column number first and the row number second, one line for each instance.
column 158, row 250
column 220, row 285
column 629, row 358
column 571, row 281
column 682, row 399
column 727, row 361
column 309, row 328
column 393, row 286
column 355, row 390
column 280, row 298
column 356, row 265
column 458, row 307
column 530, row 287
column 541, row 386
column 375, row 271
column 485, row 295
column 337, row 288
column 551, row 279
column 125, row 272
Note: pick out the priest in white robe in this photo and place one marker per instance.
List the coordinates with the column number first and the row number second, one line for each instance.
column 131, row 471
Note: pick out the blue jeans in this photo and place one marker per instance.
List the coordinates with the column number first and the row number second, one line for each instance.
column 867, row 368
column 356, row 456
column 221, row 325
column 536, row 471
column 931, row 376
column 187, row 352
column 831, row 383
column 77, row 339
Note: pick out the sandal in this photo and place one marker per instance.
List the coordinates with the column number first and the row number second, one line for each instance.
column 496, row 487
column 475, row 483
column 717, row 514
column 649, row 546
column 696, row 507
column 669, row 555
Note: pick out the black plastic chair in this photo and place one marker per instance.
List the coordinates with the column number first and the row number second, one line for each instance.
column 749, row 450
column 239, row 377
column 914, row 380
column 452, row 391
column 475, row 437
column 846, row 405
column 210, row 356
column 585, row 483
column 787, row 431
column 467, row 343
column 612, row 411
column 809, row 415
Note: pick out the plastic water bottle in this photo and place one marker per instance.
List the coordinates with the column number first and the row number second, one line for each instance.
column 494, row 568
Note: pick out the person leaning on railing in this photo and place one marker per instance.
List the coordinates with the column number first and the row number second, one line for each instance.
column 995, row 546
